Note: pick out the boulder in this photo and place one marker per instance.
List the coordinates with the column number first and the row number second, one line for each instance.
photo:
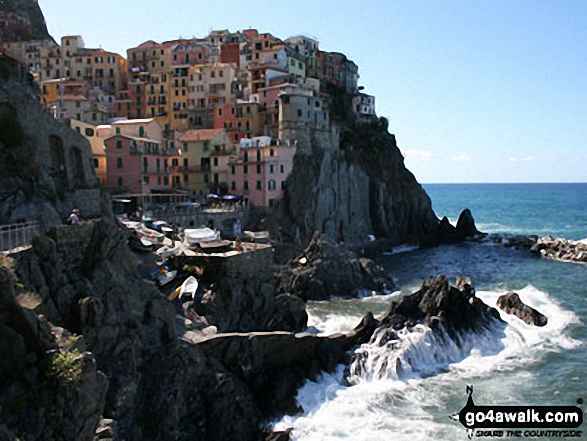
column 512, row 304
column 466, row 225
column 325, row 269
column 437, row 302
column 447, row 233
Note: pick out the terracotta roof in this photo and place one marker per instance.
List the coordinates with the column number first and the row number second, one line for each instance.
column 200, row 135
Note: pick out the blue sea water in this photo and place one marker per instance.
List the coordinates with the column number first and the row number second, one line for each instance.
column 556, row 209
column 526, row 366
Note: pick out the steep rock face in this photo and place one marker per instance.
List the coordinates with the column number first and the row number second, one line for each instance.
column 49, row 161
column 85, row 279
column 355, row 188
column 242, row 295
column 30, row 11
column 185, row 394
column 50, row 387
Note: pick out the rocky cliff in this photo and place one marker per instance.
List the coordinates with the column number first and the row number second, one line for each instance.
column 353, row 184
column 30, row 11
column 91, row 342
column 47, row 166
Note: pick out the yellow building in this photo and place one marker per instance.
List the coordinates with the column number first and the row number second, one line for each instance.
column 95, row 135
column 157, row 94
column 179, row 98
column 197, row 149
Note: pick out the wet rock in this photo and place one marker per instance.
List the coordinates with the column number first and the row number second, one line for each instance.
column 283, row 435
column 466, row 225
column 447, row 233
column 456, row 308
column 512, row 304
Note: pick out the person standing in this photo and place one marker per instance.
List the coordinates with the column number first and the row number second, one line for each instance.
column 74, row 218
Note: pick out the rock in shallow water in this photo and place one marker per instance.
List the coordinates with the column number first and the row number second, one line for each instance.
column 455, row 307
column 512, row 304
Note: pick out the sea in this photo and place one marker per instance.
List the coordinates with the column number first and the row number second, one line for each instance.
column 409, row 390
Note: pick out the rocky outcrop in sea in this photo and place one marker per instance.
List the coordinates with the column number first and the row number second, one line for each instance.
column 325, row 269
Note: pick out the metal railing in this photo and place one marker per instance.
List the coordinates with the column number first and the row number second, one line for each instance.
column 16, row 235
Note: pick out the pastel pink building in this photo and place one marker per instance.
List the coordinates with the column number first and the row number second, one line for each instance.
column 140, row 165
column 260, row 170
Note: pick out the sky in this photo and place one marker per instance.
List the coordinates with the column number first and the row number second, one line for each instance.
column 474, row 91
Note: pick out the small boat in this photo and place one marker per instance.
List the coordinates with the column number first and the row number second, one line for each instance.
column 163, row 274
column 194, row 237
column 257, row 236
column 167, row 251
column 189, row 287
column 140, row 243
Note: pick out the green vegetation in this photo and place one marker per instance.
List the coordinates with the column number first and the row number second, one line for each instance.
column 65, row 368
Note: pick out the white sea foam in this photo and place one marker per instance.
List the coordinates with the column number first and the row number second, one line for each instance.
column 414, row 402
column 405, row 248
column 322, row 322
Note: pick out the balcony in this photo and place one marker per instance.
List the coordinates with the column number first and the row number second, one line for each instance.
column 193, row 169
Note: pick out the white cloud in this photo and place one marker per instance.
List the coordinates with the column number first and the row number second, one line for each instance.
column 463, row 157
column 421, row 155
column 519, row 159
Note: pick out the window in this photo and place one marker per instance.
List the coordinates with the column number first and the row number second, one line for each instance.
column 246, row 157
column 186, row 178
column 271, row 168
column 120, row 182
column 232, row 170
column 233, row 186
column 89, row 131
column 271, row 152
column 146, row 180
column 185, row 162
column 271, row 185
column 96, row 163
column 141, row 131
column 166, row 180
column 245, row 169
column 258, row 168
column 215, row 162
column 78, row 104
column 283, row 185
column 206, row 179
column 299, row 113
column 219, row 112
column 246, row 185
column 206, row 146
column 259, row 186
column 175, row 162
column 119, row 162
column 119, row 144
column 118, row 130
